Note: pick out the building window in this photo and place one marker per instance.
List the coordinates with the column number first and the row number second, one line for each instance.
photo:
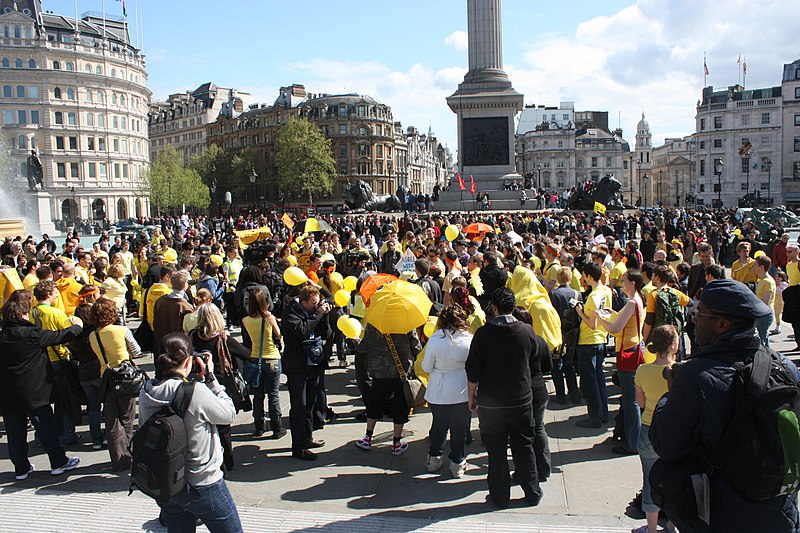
column 342, row 150
column 103, row 170
column 73, row 170
column 90, row 143
column 745, row 165
column 702, row 167
column 22, row 142
column 34, row 117
column 379, row 166
column 342, row 129
column 702, row 145
column 101, row 120
column 73, row 143
column 579, row 163
column 8, row 116
column 379, row 151
column 796, row 171
column 764, row 186
column 7, row 91
column 594, row 162
column 92, row 170
column 743, row 187
column 101, row 144
column 18, row 63
column 717, row 143
column 59, row 143
column 608, row 161
column 90, row 119
column 702, row 124
column 98, row 70
column 362, row 111
column 342, row 110
column 745, row 120
column 70, row 94
column 33, row 91
column 717, row 123
column 57, row 93
column 71, row 120
column 22, row 117
column 20, row 91
column 702, row 185
column 624, row 166
column 61, row 170
column 69, row 65
column 797, row 144
column 87, row 69
column 764, row 118
column 342, row 169
column 797, row 92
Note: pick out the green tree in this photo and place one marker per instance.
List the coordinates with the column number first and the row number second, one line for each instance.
column 170, row 184
column 304, row 160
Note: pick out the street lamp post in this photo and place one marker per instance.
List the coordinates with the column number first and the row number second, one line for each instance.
column 74, row 206
column 658, row 187
column 646, row 180
column 719, row 166
column 539, row 177
column 677, row 190
column 639, row 164
column 748, row 196
column 253, row 178
column 769, row 182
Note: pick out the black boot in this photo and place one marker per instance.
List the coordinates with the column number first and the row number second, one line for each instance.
column 259, row 427
column 277, row 430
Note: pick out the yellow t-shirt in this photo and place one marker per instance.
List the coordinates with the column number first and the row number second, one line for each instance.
column 154, row 293
column 575, row 283
column 764, row 286
column 52, row 319
column 650, row 378
column 550, row 271
column 793, row 271
column 646, row 290
column 741, row 271
column 69, row 290
column 683, row 300
column 599, row 298
column 631, row 334
column 617, row 272
column 253, row 327
column 30, row 281
column 116, row 349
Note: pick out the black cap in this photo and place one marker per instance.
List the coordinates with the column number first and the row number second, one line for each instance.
column 734, row 299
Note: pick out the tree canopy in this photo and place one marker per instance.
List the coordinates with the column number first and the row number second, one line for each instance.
column 170, row 184
column 304, row 159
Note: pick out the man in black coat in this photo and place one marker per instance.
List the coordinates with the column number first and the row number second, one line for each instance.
column 690, row 420
column 25, row 385
column 301, row 319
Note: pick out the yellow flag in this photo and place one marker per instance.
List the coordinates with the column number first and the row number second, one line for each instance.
column 287, row 221
column 599, row 208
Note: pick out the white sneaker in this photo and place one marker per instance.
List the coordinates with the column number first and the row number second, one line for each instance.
column 458, row 469
column 22, row 477
column 433, row 464
column 71, row 464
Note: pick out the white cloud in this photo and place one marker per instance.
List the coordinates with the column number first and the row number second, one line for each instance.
column 457, row 40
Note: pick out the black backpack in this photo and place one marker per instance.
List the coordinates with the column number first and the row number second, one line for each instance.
column 760, row 450
column 160, row 449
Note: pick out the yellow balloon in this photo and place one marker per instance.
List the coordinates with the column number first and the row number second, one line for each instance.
column 451, row 232
column 342, row 297
column 299, row 240
column 350, row 283
column 336, row 279
column 292, row 260
column 760, row 253
column 294, row 276
column 429, row 329
column 649, row 356
column 737, row 231
column 349, row 326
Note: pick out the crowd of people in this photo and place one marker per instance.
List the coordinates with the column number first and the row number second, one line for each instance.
column 536, row 294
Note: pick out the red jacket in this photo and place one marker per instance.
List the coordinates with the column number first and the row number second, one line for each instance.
column 779, row 257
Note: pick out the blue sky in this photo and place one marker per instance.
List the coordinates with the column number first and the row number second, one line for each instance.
column 614, row 55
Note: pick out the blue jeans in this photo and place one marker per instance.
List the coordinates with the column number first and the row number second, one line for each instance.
column 17, row 432
column 632, row 414
column 593, row 380
column 270, row 383
column 648, row 457
column 455, row 419
column 762, row 326
column 92, row 390
column 211, row 503
column 565, row 371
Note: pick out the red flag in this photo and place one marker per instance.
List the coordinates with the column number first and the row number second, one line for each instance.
column 472, row 187
column 460, row 181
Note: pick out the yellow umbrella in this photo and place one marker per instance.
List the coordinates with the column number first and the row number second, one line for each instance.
column 312, row 225
column 398, row 307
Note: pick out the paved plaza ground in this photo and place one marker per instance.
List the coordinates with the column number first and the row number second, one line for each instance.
column 347, row 489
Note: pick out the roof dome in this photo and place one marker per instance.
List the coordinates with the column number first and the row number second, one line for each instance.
column 643, row 125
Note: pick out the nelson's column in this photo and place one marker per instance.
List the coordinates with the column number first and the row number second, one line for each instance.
column 485, row 104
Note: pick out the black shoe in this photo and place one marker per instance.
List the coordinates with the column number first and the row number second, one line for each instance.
column 315, row 444
column 258, row 432
column 622, row 450
column 501, row 505
column 304, row 455
column 277, row 434
column 588, row 424
column 533, row 499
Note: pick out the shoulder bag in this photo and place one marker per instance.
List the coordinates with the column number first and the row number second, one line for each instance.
column 413, row 389
column 122, row 381
column 629, row 360
column 144, row 333
column 252, row 369
column 232, row 379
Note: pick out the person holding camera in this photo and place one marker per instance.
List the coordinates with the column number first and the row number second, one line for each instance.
column 112, row 345
column 206, row 496
column 302, row 361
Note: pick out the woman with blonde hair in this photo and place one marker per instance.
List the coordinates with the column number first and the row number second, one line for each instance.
column 115, row 289
column 211, row 336
column 204, row 296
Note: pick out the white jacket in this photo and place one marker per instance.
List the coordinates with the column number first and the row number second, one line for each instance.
column 445, row 356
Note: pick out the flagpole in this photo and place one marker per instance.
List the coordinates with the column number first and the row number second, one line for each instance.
column 136, row 16
column 744, row 77
column 104, row 18
column 705, row 71
column 739, row 67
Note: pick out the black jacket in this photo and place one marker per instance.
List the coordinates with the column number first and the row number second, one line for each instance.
column 25, row 373
column 297, row 325
column 690, row 421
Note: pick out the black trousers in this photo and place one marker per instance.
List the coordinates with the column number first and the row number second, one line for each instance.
column 302, row 398
column 499, row 428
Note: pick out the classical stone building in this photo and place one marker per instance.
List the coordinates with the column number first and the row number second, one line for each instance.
column 673, row 165
column 75, row 91
column 426, row 162
column 361, row 130
column 599, row 153
column 181, row 121
column 742, row 129
column 789, row 170
column 644, row 162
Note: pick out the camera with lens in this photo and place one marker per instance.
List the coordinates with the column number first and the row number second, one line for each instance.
column 197, row 373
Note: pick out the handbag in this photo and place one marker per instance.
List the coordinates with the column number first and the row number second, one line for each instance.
column 122, row 381
column 232, row 379
column 144, row 333
column 629, row 360
column 252, row 369
column 413, row 389
column 313, row 350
